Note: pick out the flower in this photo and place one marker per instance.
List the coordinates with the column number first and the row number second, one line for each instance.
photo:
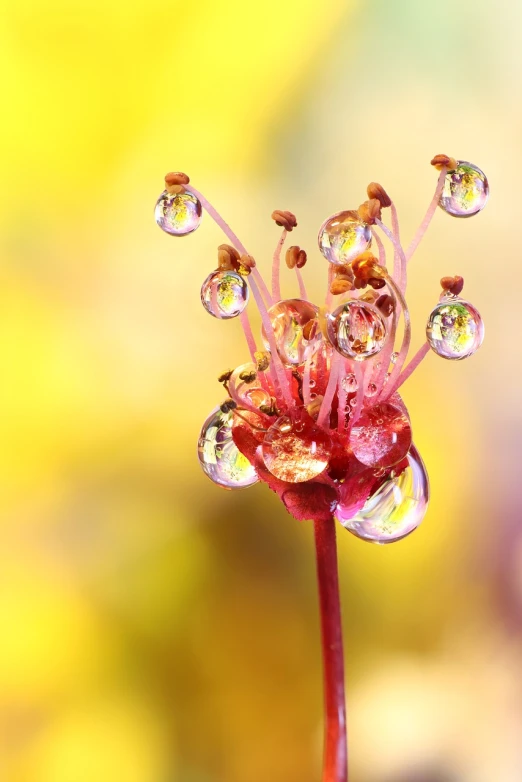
column 316, row 413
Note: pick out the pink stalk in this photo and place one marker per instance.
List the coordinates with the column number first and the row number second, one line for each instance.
column 396, row 244
column 381, row 248
column 247, row 329
column 387, row 352
column 359, row 374
column 335, row 761
column 412, row 366
column 276, row 264
column 399, row 268
column 302, row 289
column 329, row 294
column 306, row 379
column 343, row 395
column 326, row 405
column 405, row 340
column 428, row 216
column 254, row 278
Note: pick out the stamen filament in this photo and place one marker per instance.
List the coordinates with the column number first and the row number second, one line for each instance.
column 389, row 389
column 302, row 288
column 428, row 216
column 276, row 265
column 412, row 366
column 326, row 404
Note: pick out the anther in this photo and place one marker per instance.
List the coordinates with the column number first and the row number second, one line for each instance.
column 175, row 181
column 248, row 376
column 452, row 285
column 262, row 359
column 340, row 286
column 228, row 258
column 246, row 264
column 377, row 191
column 444, row 161
column 385, row 304
column 225, row 376
column 370, row 211
column 285, row 219
column 227, row 406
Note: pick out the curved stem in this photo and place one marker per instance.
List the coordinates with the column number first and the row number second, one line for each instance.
column 423, row 227
column 276, row 264
column 335, row 762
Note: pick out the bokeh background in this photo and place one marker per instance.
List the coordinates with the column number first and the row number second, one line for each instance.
column 152, row 627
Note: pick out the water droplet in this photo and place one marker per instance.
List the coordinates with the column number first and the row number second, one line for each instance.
column 455, row 329
column 312, row 383
column 295, row 449
column 395, row 509
column 356, row 329
column 349, row 383
column 353, row 402
column 250, row 394
column 178, row 214
column 394, row 357
column 288, row 319
column 466, row 191
column 371, row 389
column 343, row 237
column 219, row 457
column 381, row 436
column 224, row 294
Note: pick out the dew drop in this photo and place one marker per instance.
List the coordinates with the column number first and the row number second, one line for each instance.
column 371, row 389
column 251, row 394
column 356, row 329
column 394, row 357
column 395, row 509
column 343, row 237
column 466, row 191
column 295, row 449
column 224, row 294
column 219, row 456
column 289, row 318
column 178, row 214
column 349, row 383
column 455, row 329
column 381, row 436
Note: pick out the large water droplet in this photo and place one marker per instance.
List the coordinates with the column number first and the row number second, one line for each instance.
column 343, row 237
column 349, row 383
column 224, row 294
column 455, row 329
column 395, row 509
column 381, row 436
column 356, row 329
column 178, row 214
column 466, row 191
column 247, row 391
column 291, row 319
column 219, row 457
column 295, row 449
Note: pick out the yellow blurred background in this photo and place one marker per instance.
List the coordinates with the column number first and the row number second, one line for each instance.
column 152, row 627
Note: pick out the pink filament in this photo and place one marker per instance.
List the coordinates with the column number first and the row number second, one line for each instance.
column 302, row 289
column 399, row 268
column 396, row 244
column 306, row 379
column 412, row 366
column 326, row 405
column 329, row 294
column 428, row 216
column 247, row 329
column 405, row 340
column 380, row 245
column 276, row 264
column 386, row 353
column 359, row 374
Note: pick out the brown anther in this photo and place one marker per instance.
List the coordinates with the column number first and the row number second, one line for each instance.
column 444, row 161
column 228, row 258
column 227, row 406
column 175, row 181
column 370, row 211
column 452, row 285
column 270, row 409
column 340, row 286
column 291, row 256
column 385, row 304
column 225, row 376
column 369, row 296
column 375, row 190
column 284, row 219
column 314, row 406
column 246, row 264
column 262, row 359
column 248, row 376
column 310, row 329
column 377, row 282
column 301, row 259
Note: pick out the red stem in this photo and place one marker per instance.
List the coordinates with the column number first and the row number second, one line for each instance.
column 335, row 767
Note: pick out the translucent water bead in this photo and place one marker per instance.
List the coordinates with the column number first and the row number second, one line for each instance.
column 395, row 509
column 295, row 332
column 343, row 237
column 466, row 191
column 295, row 449
column 356, row 329
column 245, row 391
column 224, row 294
column 455, row 329
column 381, row 436
column 218, row 455
column 178, row 214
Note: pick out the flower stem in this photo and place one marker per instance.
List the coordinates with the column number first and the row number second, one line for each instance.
column 335, row 768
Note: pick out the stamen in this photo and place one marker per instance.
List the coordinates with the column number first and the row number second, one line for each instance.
column 276, row 264
column 392, row 380
column 428, row 216
column 300, row 281
column 331, row 388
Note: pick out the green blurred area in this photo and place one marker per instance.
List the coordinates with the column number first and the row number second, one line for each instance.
column 157, row 629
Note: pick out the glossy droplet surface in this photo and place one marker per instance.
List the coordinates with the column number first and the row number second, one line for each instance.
column 349, row 383
column 455, row 329
column 381, row 436
column 178, row 214
column 371, row 389
column 295, row 449
column 224, row 294
column 343, row 237
column 395, row 509
column 289, row 319
column 251, row 394
column 466, row 191
column 218, row 455
column 357, row 330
